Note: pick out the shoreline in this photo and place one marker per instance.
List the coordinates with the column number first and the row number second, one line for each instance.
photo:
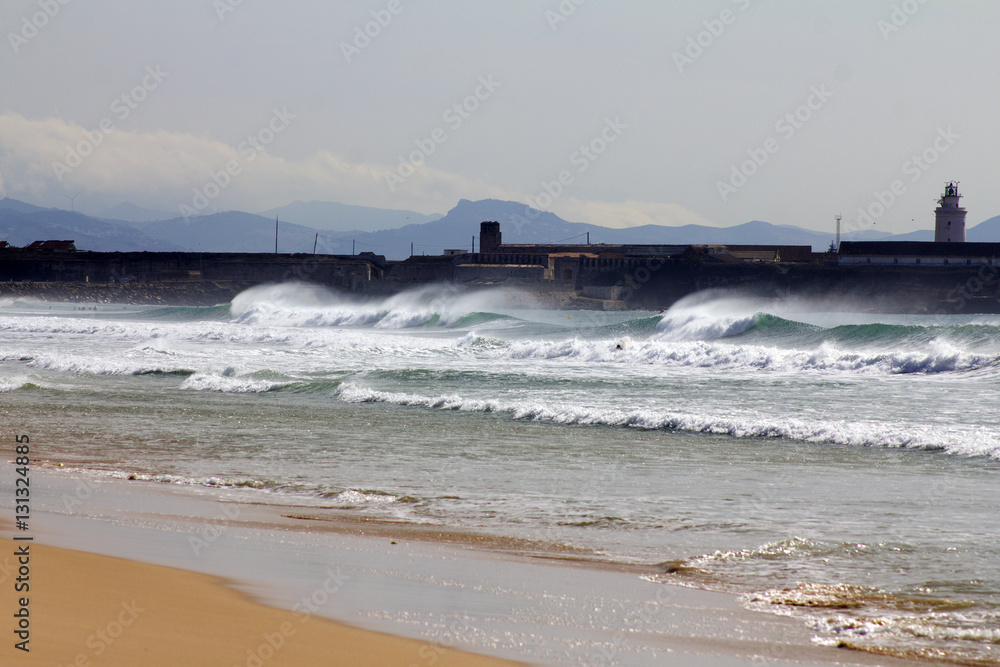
column 95, row 609
column 450, row 593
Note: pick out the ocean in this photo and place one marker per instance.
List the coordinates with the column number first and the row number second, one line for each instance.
column 841, row 468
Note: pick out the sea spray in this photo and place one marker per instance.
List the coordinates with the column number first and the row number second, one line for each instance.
column 299, row 305
column 810, row 460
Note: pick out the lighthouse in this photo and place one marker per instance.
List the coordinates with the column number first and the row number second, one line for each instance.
column 949, row 217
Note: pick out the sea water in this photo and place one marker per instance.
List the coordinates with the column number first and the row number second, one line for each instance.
column 841, row 468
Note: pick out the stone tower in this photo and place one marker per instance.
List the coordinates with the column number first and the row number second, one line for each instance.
column 949, row 217
column 489, row 237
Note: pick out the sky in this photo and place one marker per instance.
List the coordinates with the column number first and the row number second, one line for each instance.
column 614, row 113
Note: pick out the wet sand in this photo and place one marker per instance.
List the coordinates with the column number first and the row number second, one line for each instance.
column 415, row 596
column 88, row 609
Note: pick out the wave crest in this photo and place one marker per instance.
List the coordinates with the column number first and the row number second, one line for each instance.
column 303, row 305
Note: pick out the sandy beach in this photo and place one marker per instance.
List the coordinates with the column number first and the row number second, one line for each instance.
column 417, row 597
column 90, row 609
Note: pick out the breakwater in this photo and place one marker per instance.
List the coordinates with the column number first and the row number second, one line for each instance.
column 555, row 281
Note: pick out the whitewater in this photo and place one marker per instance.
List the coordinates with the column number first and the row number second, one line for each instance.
column 838, row 467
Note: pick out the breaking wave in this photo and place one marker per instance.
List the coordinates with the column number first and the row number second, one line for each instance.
column 301, row 305
column 907, row 624
column 959, row 440
column 938, row 355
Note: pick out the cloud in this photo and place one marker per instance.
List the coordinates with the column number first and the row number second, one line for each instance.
column 42, row 160
column 46, row 158
column 631, row 213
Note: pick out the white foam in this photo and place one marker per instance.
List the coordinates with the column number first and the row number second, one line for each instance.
column 229, row 383
column 302, row 305
column 704, row 316
column 959, row 439
column 692, row 326
column 359, row 498
column 936, row 358
column 9, row 384
column 869, row 618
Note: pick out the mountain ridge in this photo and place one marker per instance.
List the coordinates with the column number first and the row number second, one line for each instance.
column 239, row 231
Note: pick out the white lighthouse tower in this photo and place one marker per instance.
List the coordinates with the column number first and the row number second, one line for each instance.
column 949, row 217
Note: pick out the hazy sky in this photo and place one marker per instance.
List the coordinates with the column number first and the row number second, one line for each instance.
column 615, row 113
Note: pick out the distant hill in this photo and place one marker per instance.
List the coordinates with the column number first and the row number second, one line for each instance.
column 129, row 212
column 522, row 224
column 987, row 231
column 919, row 235
column 20, row 228
column 19, row 206
column 236, row 231
column 333, row 216
column 232, row 231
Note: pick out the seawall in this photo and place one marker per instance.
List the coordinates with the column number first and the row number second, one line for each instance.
column 886, row 289
column 647, row 283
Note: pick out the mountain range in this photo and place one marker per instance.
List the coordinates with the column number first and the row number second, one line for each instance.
column 334, row 228
column 330, row 216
